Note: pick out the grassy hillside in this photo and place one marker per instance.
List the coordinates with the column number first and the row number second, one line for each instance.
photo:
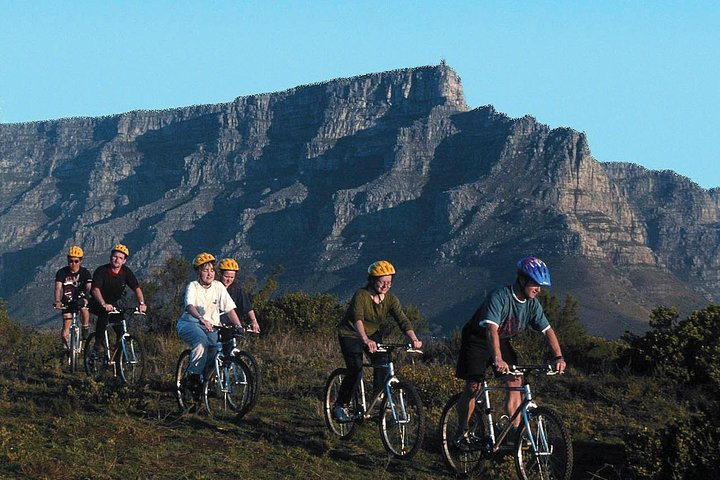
column 58, row 425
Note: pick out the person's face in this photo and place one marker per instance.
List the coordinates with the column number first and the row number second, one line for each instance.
column 74, row 263
column 206, row 274
column 227, row 277
column 382, row 284
column 117, row 259
column 532, row 289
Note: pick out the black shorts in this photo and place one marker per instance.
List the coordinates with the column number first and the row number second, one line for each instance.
column 475, row 356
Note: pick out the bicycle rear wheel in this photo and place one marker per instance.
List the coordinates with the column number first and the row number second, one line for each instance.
column 224, row 396
column 186, row 398
column 96, row 364
column 131, row 361
column 553, row 459
column 462, row 462
column 252, row 365
column 402, row 422
column 344, row 430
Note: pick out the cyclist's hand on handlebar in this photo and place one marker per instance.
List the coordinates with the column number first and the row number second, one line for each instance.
column 371, row 345
column 254, row 327
column 417, row 344
column 57, row 305
column 142, row 308
column 206, row 323
column 108, row 308
column 501, row 366
column 559, row 365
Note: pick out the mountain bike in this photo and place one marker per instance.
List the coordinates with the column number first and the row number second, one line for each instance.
column 75, row 341
column 125, row 358
column 542, row 448
column 401, row 418
column 229, row 390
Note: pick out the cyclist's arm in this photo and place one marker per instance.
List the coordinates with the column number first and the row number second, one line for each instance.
column 97, row 294
column 140, row 298
column 253, row 321
column 493, row 340
column 416, row 343
column 559, row 361
column 192, row 310
column 58, row 294
column 371, row 345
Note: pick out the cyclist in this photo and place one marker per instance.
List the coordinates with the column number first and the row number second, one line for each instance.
column 72, row 289
column 228, row 271
column 108, row 286
column 485, row 339
column 362, row 328
column 205, row 299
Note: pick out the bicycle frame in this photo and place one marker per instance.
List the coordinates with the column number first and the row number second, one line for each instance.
column 390, row 380
column 483, row 400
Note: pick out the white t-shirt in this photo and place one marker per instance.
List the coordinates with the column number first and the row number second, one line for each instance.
column 210, row 302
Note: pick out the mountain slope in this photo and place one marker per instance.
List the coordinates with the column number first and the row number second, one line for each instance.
column 325, row 178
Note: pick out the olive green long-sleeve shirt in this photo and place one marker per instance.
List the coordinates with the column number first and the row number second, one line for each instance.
column 374, row 316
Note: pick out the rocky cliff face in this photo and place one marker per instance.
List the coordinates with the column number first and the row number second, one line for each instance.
column 325, row 178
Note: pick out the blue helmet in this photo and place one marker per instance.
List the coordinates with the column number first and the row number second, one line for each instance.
column 536, row 269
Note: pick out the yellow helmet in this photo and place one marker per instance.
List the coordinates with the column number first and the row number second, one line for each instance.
column 381, row 268
column 75, row 251
column 229, row 264
column 202, row 259
column 121, row 248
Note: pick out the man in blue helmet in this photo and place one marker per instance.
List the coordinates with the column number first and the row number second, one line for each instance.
column 485, row 339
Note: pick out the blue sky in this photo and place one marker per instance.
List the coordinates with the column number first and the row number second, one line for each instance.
column 641, row 79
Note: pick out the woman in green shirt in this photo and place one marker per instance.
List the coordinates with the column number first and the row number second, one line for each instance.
column 362, row 328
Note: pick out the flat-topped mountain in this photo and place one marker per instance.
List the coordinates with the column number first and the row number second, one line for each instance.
column 323, row 179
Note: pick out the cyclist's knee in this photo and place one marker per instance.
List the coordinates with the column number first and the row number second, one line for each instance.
column 472, row 387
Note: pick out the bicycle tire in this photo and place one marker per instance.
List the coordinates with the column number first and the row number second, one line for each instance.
column 555, row 455
column 403, row 434
column 95, row 366
column 224, row 397
column 255, row 373
column 130, row 361
column 187, row 400
column 462, row 463
column 74, row 349
column 344, row 430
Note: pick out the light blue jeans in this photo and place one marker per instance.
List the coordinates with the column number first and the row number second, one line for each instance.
column 201, row 342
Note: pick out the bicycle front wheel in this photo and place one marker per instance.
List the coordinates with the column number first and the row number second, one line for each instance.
column 131, row 361
column 96, row 363
column 224, row 396
column 75, row 349
column 463, row 462
column 402, row 421
column 252, row 365
column 552, row 458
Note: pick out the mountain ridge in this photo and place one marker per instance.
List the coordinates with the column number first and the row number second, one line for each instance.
column 325, row 178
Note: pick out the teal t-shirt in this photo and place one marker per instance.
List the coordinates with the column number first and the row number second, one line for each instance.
column 511, row 315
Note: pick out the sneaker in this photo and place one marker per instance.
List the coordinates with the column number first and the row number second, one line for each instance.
column 341, row 414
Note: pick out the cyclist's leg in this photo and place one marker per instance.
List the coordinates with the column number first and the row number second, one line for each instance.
column 352, row 352
column 100, row 326
column 200, row 341
column 513, row 399
column 85, row 320
column 380, row 373
column 473, row 360
column 65, row 332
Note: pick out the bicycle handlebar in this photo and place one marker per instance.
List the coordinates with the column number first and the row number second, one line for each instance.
column 117, row 311
column 388, row 347
column 520, row 370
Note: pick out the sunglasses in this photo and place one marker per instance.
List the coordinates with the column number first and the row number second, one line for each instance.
column 74, row 261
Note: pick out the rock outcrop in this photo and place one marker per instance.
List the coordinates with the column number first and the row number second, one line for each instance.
column 325, row 178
